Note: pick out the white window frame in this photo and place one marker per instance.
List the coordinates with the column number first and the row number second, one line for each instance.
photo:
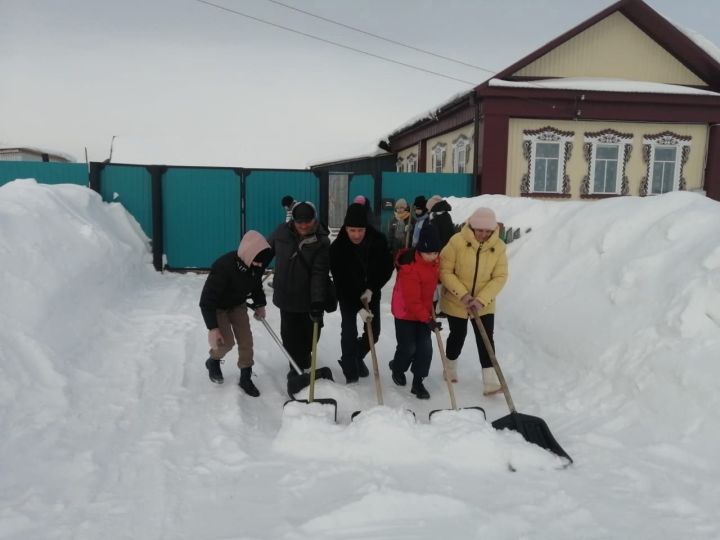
column 608, row 137
column 400, row 165
column 665, row 139
column 548, row 135
column 460, row 154
column 438, row 157
column 411, row 163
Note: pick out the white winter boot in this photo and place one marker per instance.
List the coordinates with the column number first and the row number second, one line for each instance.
column 491, row 384
column 451, row 371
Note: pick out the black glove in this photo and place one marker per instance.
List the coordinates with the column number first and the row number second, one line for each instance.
column 316, row 312
column 434, row 325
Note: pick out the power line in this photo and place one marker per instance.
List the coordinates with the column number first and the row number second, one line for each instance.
column 318, row 38
column 436, row 55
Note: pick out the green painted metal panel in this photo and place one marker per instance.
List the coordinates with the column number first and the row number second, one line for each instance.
column 409, row 185
column 362, row 184
column 44, row 172
column 130, row 186
column 263, row 191
column 201, row 215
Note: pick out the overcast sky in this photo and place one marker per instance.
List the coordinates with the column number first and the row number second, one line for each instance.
column 178, row 81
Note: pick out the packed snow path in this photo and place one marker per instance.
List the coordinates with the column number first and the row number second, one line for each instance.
column 112, row 429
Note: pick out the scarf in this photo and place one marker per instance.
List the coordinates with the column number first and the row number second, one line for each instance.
column 402, row 215
column 418, row 226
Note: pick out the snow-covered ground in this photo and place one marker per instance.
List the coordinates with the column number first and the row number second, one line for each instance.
column 608, row 329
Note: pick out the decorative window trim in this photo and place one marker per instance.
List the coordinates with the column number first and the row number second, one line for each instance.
column 666, row 138
column 461, row 143
column 411, row 163
column 400, row 164
column 530, row 140
column 438, row 153
column 606, row 136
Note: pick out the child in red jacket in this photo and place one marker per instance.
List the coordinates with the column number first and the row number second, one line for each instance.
column 417, row 277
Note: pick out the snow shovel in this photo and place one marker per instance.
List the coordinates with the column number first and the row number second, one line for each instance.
column 532, row 428
column 301, row 380
column 376, row 371
column 313, row 374
column 441, row 351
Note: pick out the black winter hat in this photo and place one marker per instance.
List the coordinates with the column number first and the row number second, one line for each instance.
column 303, row 212
column 356, row 216
column 287, row 201
column 420, row 202
column 429, row 241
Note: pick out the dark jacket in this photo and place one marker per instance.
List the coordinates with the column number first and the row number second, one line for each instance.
column 301, row 267
column 355, row 268
column 228, row 285
column 440, row 217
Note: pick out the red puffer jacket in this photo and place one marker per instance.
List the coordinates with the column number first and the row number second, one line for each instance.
column 414, row 286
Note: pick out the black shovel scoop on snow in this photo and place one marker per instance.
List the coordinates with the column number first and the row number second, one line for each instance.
column 301, row 380
column 532, row 428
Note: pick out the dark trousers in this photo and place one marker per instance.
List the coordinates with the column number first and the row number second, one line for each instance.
column 414, row 348
column 296, row 331
column 458, row 331
column 355, row 348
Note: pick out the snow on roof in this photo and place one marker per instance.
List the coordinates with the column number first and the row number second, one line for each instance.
column 603, row 85
column 431, row 114
column 38, row 150
column 701, row 41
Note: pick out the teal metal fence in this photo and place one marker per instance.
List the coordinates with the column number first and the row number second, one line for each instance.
column 362, row 184
column 201, row 215
column 130, row 186
column 44, row 172
column 265, row 188
column 410, row 185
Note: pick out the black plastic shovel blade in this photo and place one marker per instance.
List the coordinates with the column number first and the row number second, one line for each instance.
column 353, row 415
column 298, row 382
column 533, row 429
column 459, row 409
column 321, row 401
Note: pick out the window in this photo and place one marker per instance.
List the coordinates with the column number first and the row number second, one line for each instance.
column 399, row 164
column 547, row 156
column 665, row 155
column 663, row 172
column 607, row 153
column 547, row 151
column 438, row 158
column 411, row 163
column 461, row 147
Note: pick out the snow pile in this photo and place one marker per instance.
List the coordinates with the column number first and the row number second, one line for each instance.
column 608, row 329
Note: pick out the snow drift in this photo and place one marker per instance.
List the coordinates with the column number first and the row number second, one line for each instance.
column 609, row 329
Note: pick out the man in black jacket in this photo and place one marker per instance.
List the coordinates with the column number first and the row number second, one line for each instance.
column 361, row 264
column 300, row 285
column 233, row 278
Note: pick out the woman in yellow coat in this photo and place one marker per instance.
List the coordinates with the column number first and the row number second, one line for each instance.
column 473, row 270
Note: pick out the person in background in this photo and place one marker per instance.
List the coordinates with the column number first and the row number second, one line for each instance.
column 372, row 220
column 361, row 265
column 399, row 226
column 302, row 263
column 233, row 278
column 439, row 212
column 417, row 276
column 473, row 271
column 420, row 218
column 287, row 203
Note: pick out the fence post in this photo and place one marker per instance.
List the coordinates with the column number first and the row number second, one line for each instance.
column 95, row 175
column 158, row 241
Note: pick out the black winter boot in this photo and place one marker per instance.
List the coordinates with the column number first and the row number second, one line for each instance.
column 246, row 382
column 214, row 371
column 419, row 389
column 398, row 377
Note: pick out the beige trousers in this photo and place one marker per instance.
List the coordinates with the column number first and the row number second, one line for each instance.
column 235, row 322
